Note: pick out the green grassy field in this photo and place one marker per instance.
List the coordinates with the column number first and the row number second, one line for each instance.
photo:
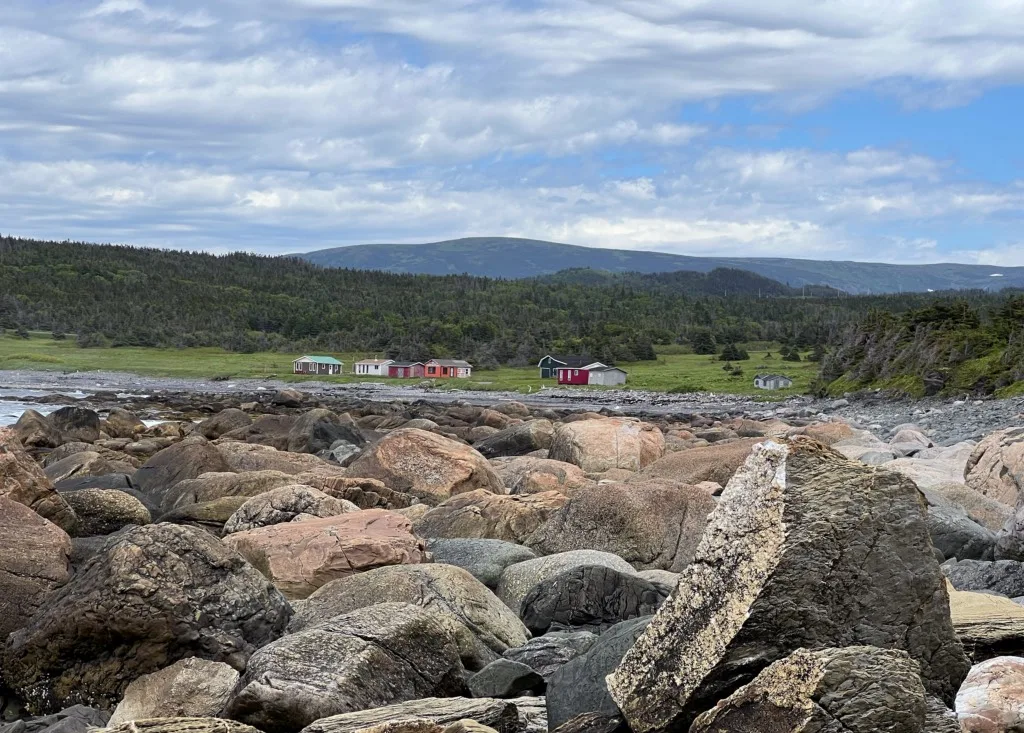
column 672, row 372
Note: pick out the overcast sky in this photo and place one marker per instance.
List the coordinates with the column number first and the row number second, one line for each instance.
column 861, row 129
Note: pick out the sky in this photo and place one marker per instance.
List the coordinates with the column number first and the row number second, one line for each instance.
column 884, row 130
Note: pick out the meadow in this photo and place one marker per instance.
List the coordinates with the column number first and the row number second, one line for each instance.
column 670, row 372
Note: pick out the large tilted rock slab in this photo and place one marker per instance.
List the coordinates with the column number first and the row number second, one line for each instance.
column 991, row 699
column 23, row 481
column 218, row 484
column 855, row 689
column 517, row 715
column 188, row 459
column 807, row 549
column 655, row 525
column 189, row 688
column 151, row 596
column 243, row 457
column 716, row 463
column 300, row 557
column 600, row 445
column 528, row 475
column 180, row 725
column 379, row 655
column 484, row 515
column 988, row 625
column 996, row 467
column 486, row 627
column 34, row 561
column 428, row 466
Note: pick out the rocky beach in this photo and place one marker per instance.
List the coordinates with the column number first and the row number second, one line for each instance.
column 246, row 556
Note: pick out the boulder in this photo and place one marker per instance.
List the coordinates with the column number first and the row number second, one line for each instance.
column 1005, row 577
column 996, row 467
column 504, row 678
column 288, row 398
column 580, row 687
column 35, row 431
column 590, row 597
column 379, row 655
column 189, row 688
column 284, row 504
column 715, row 463
column 66, row 449
column 85, row 463
column 75, row 719
column 216, row 485
column 485, row 560
column 34, row 561
column 827, row 433
column 548, row 653
column 483, row 626
column 525, row 475
column 988, row 625
column 103, row 511
column 519, row 715
column 806, row 549
column 955, row 534
column 517, row 440
column 300, row 557
column 245, row 457
column 365, row 493
column 598, row 445
column 520, row 578
column 208, row 515
column 991, row 699
column 179, row 725
column 321, row 430
column 857, row 689
column 428, row 466
column 481, row 514
column 22, row 480
column 651, row 525
column 150, row 596
column 122, row 424
column 188, row 459
column 1010, row 541
column 76, row 423
column 987, row 512
column 223, row 422
column 268, row 430
column 911, row 436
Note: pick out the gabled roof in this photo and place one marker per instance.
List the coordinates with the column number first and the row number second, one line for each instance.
column 773, row 376
column 319, row 359
column 567, row 360
column 604, row 368
column 596, row 366
column 376, row 361
column 450, row 362
column 405, row 363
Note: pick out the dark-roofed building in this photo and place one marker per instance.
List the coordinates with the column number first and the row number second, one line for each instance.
column 405, row 369
column 550, row 364
column 772, row 381
column 316, row 365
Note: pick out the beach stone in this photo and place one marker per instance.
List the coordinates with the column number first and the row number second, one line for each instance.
column 526, row 475
column 217, row 485
column 427, row 466
column 121, row 423
column 85, row 463
column 223, row 422
column 75, row 719
column 518, row 715
column 284, row 504
column 188, row 459
column 365, row 493
column 246, row 457
column 320, row 430
column 150, row 596
column 988, row 625
column 599, row 445
column 955, row 534
column 300, row 557
column 208, row 515
column 481, row 514
column 76, row 423
column 103, row 511
column 996, row 466
column 375, row 656
column 34, row 562
column 1005, row 577
column 189, row 688
column 23, row 481
column 180, row 725
column 520, row 578
column 550, row 652
column 504, row 678
column 715, row 463
column 33, row 430
column 485, row 560
column 991, row 700
column 517, row 440
column 807, row 549
column 288, row 398
column 651, row 525
column 987, row 512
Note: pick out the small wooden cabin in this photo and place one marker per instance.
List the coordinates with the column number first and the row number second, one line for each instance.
column 317, row 365
column 772, row 381
column 372, row 367
column 405, row 369
column 594, row 373
column 448, row 369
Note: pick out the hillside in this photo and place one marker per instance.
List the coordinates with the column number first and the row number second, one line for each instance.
column 504, row 257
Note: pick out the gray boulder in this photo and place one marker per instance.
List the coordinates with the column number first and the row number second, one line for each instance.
column 103, row 511
column 519, row 579
column 188, row 459
column 955, row 534
column 546, row 654
column 189, row 688
column 485, row 560
column 75, row 719
column 76, row 423
column 504, row 678
column 518, row 715
column 1004, row 577
column 321, row 430
column 121, row 423
column 223, row 422
column 284, row 504
column 179, row 725
column 35, row 431
column 217, row 485
column 517, row 440
column 807, row 549
column 379, row 655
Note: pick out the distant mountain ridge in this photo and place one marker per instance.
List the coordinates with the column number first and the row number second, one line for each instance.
column 512, row 258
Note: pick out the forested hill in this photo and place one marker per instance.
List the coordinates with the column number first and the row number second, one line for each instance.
column 124, row 295
column 508, row 257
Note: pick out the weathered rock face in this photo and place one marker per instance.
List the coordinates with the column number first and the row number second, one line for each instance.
column 590, row 598
column 383, row 654
column 188, row 459
column 288, row 398
column 518, row 440
column 122, row 424
column 85, row 463
column 34, row 561
column 103, row 511
column 504, row 678
column 484, row 626
column 955, row 534
column 1005, row 577
column 35, row 431
column 991, row 699
column 996, row 467
column 549, row 653
column 984, row 510
column 210, row 486
column 519, row 579
column 428, row 466
column 856, row 689
column 1010, row 541
column 189, row 688
column 653, row 525
column 223, row 422
column 76, row 423
column 243, row 457
column 526, row 475
column 827, row 433
column 151, row 596
column 209, row 515
column 22, row 480
column 320, row 430
column 807, row 549
column 485, row 560
column 481, row 514
column 75, row 719
column 599, row 445
column 300, row 557
column 284, row 504
column 180, row 725
column 519, row 715
column 988, row 625
column 715, row 463
column 365, row 493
